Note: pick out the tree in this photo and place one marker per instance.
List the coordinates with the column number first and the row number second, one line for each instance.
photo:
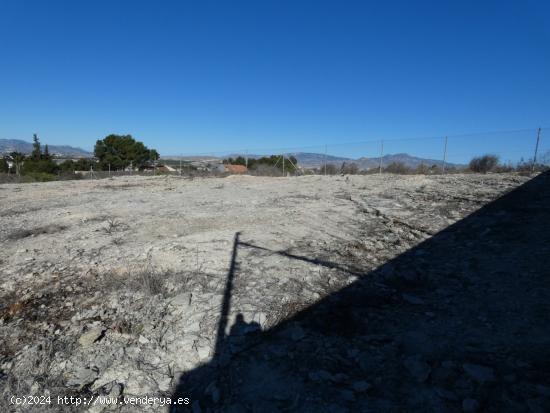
column 38, row 162
column 36, row 151
column 120, row 151
column 154, row 155
column 46, row 153
column 67, row 166
column 84, row 164
column 273, row 160
column 45, row 166
column 18, row 159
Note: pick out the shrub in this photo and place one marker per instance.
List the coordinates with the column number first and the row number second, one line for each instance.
column 84, row 164
column 39, row 167
column 274, row 160
column 7, row 178
column 349, row 168
column 330, row 169
column 39, row 177
column 4, row 168
column 266, row 170
column 483, row 164
column 504, row 168
column 397, row 168
column 527, row 166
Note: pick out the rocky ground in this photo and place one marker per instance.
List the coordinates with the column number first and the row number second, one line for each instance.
column 336, row 294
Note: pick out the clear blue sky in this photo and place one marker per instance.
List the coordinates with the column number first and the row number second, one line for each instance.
column 198, row 76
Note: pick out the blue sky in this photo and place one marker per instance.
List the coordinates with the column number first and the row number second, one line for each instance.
column 208, row 76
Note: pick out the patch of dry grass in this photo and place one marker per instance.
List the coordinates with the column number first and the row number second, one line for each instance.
column 32, row 232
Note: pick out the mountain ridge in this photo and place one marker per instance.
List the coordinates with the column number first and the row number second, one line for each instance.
column 18, row 145
column 316, row 160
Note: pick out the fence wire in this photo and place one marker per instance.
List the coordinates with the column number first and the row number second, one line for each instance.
column 512, row 148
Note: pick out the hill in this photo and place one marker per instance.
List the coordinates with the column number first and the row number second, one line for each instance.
column 316, row 160
column 16, row 145
column 312, row 160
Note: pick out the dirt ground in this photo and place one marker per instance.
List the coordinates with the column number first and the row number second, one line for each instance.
column 119, row 287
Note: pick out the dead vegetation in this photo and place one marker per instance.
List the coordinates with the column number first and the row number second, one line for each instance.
column 114, row 225
column 32, row 232
column 283, row 310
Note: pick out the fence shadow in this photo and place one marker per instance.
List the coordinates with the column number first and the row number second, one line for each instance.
column 457, row 323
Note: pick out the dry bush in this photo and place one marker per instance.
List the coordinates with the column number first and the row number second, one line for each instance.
column 328, row 169
column 9, row 178
column 148, row 280
column 266, row 170
column 527, row 167
column 35, row 369
column 504, row 168
column 285, row 309
column 349, row 168
column 483, row 164
column 398, row 168
column 136, row 277
column 114, row 225
column 144, row 277
column 125, row 325
column 425, row 169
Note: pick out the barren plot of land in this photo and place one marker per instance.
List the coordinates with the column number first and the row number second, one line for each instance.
column 116, row 287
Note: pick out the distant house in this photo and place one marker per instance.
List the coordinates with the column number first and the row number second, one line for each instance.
column 150, row 167
column 235, row 169
column 166, row 168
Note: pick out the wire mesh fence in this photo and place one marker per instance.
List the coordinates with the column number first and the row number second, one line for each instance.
column 525, row 150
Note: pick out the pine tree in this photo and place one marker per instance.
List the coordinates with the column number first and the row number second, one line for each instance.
column 46, row 153
column 36, row 151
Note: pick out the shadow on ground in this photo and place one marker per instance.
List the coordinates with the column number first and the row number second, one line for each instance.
column 458, row 323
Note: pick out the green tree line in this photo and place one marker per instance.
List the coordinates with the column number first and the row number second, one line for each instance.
column 114, row 152
column 274, row 161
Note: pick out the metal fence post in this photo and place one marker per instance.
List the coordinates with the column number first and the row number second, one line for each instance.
column 536, row 151
column 381, row 154
column 325, row 160
column 445, row 154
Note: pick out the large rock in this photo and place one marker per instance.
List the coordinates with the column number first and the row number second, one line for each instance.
column 91, row 336
column 82, row 377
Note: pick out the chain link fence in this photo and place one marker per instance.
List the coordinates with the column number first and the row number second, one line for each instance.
column 524, row 150
column 521, row 150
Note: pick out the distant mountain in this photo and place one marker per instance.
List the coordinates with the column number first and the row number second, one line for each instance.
column 315, row 160
column 312, row 160
column 16, row 145
column 404, row 158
